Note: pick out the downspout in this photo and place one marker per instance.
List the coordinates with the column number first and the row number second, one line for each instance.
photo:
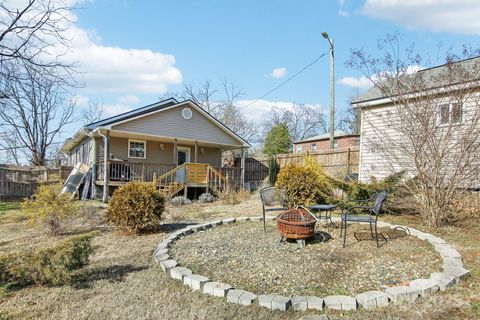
column 105, row 166
column 94, row 166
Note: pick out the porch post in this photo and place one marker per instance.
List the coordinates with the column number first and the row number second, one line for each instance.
column 242, row 164
column 106, row 165
column 175, row 154
column 196, row 151
column 94, row 167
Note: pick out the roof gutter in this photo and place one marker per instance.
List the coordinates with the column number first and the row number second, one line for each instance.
column 71, row 143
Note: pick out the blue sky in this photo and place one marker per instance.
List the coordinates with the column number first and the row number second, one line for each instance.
column 132, row 52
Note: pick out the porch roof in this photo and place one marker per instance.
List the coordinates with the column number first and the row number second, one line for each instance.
column 165, row 139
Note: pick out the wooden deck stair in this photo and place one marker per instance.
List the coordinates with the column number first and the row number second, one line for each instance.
column 171, row 189
column 190, row 175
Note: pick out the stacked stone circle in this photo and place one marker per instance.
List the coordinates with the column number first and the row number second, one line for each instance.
column 453, row 272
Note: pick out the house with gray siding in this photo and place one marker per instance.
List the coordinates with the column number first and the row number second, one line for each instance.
column 177, row 144
column 452, row 109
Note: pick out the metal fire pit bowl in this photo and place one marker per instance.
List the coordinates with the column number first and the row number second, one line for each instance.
column 296, row 224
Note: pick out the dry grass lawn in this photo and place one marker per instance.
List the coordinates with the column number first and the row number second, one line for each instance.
column 123, row 282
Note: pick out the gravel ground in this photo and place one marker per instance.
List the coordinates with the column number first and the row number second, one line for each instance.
column 245, row 257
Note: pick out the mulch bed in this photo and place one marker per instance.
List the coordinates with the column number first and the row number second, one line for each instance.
column 244, row 256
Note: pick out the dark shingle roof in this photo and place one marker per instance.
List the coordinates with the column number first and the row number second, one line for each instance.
column 431, row 76
column 336, row 134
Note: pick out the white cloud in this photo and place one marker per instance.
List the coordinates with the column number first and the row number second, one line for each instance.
column 123, row 104
column 364, row 82
column 129, row 100
column 341, row 9
column 107, row 68
column 115, row 69
column 110, row 110
column 279, row 72
column 453, row 16
column 80, row 101
column 257, row 111
column 357, row 83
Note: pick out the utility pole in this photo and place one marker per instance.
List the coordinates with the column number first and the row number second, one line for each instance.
column 332, row 91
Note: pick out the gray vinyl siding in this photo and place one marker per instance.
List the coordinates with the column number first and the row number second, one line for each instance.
column 382, row 123
column 170, row 123
column 212, row 156
column 155, row 155
column 99, row 149
column 83, row 152
column 376, row 122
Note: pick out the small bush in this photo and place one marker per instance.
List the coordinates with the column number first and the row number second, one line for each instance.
column 399, row 199
column 47, row 266
column 180, row 201
column 272, row 170
column 303, row 185
column 136, row 207
column 233, row 197
column 206, row 198
column 50, row 208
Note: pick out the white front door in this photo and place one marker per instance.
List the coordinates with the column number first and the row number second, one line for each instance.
column 183, row 155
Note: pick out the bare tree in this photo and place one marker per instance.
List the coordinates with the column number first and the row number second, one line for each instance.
column 8, row 144
column 303, row 121
column 92, row 113
column 202, row 95
column 29, row 30
column 37, row 108
column 431, row 127
column 351, row 120
column 222, row 103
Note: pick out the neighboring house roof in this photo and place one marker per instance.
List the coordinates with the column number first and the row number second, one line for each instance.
column 326, row 136
column 141, row 112
column 432, row 77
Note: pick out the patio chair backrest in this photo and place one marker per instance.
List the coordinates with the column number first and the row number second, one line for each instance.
column 272, row 196
column 379, row 200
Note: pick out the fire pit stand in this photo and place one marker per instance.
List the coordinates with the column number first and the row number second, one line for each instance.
column 296, row 224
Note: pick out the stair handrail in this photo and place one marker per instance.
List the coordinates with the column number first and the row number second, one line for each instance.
column 222, row 180
column 170, row 173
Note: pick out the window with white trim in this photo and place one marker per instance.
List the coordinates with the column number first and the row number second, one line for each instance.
column 137, row 149
column 450, row 113
column 299, row 148
column 313, row 146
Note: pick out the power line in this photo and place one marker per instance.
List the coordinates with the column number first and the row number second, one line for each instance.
column 242, row 108
column 286, row 81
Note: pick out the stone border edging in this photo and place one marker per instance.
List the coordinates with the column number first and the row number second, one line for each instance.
column 453, row 272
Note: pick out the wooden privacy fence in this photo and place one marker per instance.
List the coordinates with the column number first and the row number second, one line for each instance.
column 22, row 182
column 338, row 163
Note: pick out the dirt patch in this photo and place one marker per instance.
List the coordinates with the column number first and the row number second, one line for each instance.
column 246, row 257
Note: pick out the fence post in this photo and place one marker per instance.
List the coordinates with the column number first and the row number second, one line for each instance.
column 348, row 161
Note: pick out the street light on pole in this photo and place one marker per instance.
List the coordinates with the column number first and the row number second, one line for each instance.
column 332, row 90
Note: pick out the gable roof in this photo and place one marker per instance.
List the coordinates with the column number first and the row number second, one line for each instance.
column 431, row 76
column 142, row 112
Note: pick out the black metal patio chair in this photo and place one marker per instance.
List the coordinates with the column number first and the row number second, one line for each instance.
column 371, row 218
column 273, row 199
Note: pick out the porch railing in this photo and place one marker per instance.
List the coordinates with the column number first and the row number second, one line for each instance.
column 167, row 174
column 126, row 171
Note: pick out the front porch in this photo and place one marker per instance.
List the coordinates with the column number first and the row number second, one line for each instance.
column 176, row 164
column 171, row 179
